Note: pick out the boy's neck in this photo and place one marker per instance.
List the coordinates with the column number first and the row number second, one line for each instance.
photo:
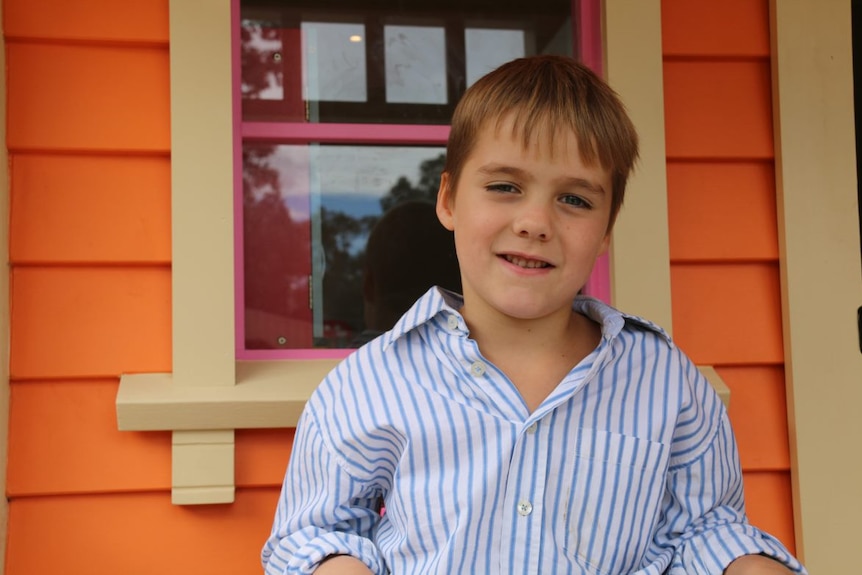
column 499, row 331
column 535, row 355
column 561, row 335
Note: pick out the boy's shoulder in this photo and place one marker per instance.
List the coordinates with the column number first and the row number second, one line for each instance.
column 436, row 309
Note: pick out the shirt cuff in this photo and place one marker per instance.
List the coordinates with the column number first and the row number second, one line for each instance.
column 714, row 550
column 311, row 553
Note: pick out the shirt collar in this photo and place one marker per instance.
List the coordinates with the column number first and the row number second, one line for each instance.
column 435, row 302
column 612, row 320
column 438, row 302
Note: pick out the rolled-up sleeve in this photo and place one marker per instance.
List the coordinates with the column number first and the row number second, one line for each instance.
column 322, row 510
column 703, row 516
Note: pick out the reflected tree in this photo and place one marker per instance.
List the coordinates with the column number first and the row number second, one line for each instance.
column 260, row 69
column 342, row 282
column 424, row 190
column 276, row 258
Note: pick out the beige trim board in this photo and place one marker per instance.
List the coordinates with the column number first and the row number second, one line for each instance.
column 640, row 251
column 202, row 199
column 203, row 464
column 717, row 383
column 821, row 279
column 202, row 232
column 268, row 394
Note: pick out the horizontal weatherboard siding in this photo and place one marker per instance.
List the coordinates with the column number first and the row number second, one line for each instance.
column 724, row 231
column 82, row 208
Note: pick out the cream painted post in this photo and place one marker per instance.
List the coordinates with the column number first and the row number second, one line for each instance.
column 821, row 279
column 202, row 229
column 640, row 253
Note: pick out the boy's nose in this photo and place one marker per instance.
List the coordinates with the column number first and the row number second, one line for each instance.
column 533, row 223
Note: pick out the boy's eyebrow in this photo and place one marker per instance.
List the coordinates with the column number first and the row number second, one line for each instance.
column 571, row 182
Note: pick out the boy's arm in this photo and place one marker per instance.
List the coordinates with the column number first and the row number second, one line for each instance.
column 756, row 565
column 323, row 512
column 342, row 565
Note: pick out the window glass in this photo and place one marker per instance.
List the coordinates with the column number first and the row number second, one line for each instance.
column 337, row 235
column 333, row 66
column 393, row 62
column 415, row 64
column 487, row 49
column 312, row 276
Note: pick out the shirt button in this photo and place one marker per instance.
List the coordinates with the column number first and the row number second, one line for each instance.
column 453, row 322
column 525, row 508
column 532, row 429
column 477, row 369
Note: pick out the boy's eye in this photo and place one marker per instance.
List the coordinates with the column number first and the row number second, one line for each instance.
column 576, row 201
column 504, row 188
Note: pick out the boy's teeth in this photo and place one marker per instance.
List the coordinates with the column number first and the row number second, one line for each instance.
column 525, row 263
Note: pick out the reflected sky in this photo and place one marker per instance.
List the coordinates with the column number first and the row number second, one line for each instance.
column 353, row 176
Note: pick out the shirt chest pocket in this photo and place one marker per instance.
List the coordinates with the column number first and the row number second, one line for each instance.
column 608, row 499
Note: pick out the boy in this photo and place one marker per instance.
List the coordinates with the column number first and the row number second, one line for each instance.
column 510, row 430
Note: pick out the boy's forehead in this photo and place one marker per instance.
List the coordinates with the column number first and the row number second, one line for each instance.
column 541, row 137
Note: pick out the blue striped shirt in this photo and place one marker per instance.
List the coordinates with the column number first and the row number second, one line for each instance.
column 629, row 466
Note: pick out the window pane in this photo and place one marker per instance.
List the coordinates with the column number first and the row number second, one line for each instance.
column 395, row 62
column 487, row 49
column 333, row 68
column 364, row 269
column 415, row 64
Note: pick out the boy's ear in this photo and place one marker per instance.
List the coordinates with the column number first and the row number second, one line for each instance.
column 445, row 203
column 605, row 245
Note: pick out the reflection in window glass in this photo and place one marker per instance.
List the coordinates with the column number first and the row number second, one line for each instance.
column 341, row 292
column 385, row 62
column 487, row 49
column 262, row 78
column 334, row 62
column 333, row 233
column 415, row 64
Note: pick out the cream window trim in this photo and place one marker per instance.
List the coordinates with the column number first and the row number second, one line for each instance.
column 210, row 394
column 640, row 255
column 268, row 394
column 202, row 236
column 820, row 273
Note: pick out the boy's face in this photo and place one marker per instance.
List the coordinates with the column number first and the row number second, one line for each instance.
column 528, row 224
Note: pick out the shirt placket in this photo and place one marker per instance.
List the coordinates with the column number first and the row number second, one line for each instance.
column 524, row 500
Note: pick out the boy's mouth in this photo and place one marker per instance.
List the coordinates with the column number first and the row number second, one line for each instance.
column 525, row 262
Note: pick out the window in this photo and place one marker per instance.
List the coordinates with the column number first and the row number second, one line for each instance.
column 213, row 391
column 344, row 114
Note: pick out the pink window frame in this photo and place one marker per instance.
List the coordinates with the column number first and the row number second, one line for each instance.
column 590, row 48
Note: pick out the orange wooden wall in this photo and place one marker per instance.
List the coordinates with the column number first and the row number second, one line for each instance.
column 88, row 138
column 723, row 229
